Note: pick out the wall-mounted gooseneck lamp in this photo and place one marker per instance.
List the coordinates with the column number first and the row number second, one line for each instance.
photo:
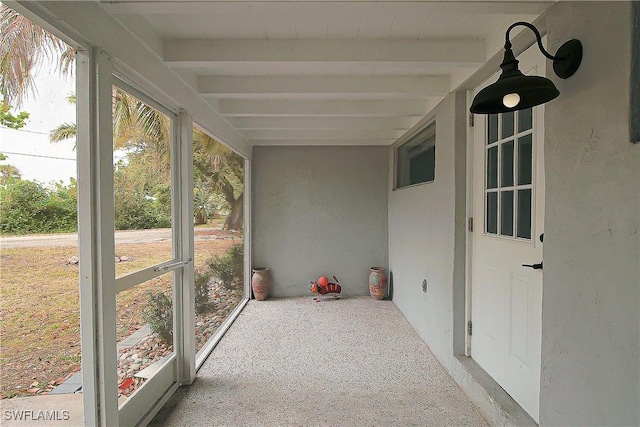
column 515, row 91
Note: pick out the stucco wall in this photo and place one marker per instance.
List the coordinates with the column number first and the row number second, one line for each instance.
column 591, row 304
column 591, row 323
column 422, row 239
column 319, row 211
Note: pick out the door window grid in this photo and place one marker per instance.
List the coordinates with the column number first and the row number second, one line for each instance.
column 508, row 175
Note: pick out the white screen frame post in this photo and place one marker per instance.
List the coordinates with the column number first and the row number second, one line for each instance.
column 96, row 238
column 186, row 292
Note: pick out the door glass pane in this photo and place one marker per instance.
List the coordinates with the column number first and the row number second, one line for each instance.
column 525, row 119
column 492, row 128
column 525, row 160
column 144, row 331
column 506, row 160
column 142, row 184
column 506, row 213
column 218, row 193
column 524, row 214
column 509, row 168
column 492, row 167
column 507, row 124
column 492, row 213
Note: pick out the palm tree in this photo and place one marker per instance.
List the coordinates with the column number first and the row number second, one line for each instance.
column 65, row 130
column 24, row 46
column 224, row 169
column 138, row 125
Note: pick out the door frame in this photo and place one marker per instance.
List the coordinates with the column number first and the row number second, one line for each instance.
column 476, row 225
column 98, row 284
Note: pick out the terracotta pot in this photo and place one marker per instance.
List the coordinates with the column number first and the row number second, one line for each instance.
column 378, row 282
column 260, row 283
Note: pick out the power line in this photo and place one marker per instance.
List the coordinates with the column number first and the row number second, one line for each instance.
column 28, row 131
column 37, row 155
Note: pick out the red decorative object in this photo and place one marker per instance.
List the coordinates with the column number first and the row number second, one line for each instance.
column 318, row 289
column 323, row 281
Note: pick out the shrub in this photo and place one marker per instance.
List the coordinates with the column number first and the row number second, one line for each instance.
column 141, row 201
column 158, row 313
column 29, row 207
column 203, row 288
column 133, row 211
column 229, row 267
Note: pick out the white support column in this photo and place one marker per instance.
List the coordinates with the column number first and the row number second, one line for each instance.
column 186, row 292
column 247, row 227
column 96, row 239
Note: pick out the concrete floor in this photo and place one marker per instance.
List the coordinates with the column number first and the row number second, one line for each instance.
column 350, row 362
column 45, row 410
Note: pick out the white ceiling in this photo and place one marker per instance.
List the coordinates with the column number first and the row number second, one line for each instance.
column 323, row 72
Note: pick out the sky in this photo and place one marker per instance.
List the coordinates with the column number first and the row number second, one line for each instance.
column 29, row 149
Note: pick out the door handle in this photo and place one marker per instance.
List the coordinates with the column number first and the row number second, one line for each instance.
column 534, row 266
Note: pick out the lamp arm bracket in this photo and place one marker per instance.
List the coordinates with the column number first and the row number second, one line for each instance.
column 507, row 43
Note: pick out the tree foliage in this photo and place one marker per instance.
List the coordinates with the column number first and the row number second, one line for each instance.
column 142, row 198
column 143, row 133
column 9, row 120
column 220, row 170
column 8, row 172
column 29, row 207
column 65, row 130
column 24, row 47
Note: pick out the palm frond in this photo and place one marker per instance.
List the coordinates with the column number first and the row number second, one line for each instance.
column 217, row 152
column 63, row 132
column 137, row 125
column 123, row 121
column 66, row 64
column 24, row 46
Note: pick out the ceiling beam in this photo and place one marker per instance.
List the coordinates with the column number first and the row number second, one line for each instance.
column 333, row 123
column 325, row 142
column 325, row 108
column 200, row 53
column 414, row 87
column 322, row 134
column 507, row 7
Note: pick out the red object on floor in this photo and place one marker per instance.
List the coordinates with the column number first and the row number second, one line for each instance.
column 126, row 383
column 329, row 288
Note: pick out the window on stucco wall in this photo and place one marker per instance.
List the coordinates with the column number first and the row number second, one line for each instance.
column 416, row 158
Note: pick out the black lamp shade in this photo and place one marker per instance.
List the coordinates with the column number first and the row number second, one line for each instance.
column 533, row 90
column 526, row 91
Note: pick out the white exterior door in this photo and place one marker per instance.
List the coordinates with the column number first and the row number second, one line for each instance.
column 508, row 212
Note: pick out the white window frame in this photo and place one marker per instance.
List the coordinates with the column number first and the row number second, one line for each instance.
column 417, row 138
